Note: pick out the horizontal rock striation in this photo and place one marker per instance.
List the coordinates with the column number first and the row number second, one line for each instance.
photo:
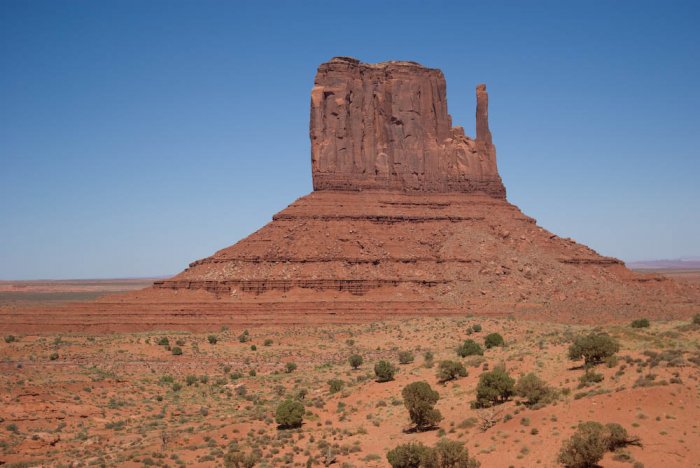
column 408, row 218
column 386, row 126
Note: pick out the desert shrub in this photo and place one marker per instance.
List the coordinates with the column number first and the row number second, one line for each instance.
column 534, row 389
column 164, row 341
column 290, row 367
column 289, row 414
column 640, row 323
column 589, row 378
column 406, row 357
column 180, row 342
column 10, row 339
column 252, row 372
column 450, row 370
column 234, row 458
column 177, row 351
column 267, row 342
column 384, row 370
column 696, row 319
column 176, row 387
column 492, row 340
column 244, row 337
column 53, row 356
column 476, row 328
column 585, row 448
column 191, row 379
column 494, row 387
column 591, row 440
column 253, row 348
column 470, row 348
column 408, row 455
column 419, row 399
column 445, row 454
column 212, row 339
column 428, row 359
column 355, row 361
column 336, row 385
column 593, row 348
column 448, row 454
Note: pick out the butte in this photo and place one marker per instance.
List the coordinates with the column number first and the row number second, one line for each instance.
column 408, row 217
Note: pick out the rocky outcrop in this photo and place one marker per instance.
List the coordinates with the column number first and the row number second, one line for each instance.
column 408, row 218
column 385, row 126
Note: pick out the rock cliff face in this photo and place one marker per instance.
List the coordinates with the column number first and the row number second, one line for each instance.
column 408, row 217
column 386, row 126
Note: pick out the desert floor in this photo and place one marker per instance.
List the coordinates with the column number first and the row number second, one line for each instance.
column 123, row 399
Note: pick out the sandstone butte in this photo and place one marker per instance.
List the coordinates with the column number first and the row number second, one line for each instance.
column 408, row 216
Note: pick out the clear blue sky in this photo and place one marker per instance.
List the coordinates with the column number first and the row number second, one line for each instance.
column 137, row 136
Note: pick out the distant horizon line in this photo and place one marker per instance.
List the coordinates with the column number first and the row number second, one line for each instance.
column 681, row 259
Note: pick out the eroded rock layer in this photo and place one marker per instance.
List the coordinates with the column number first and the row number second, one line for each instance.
column 386, row 126
column 408, row 217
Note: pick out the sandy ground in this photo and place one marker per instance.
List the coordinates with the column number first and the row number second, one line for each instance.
column 122, row 399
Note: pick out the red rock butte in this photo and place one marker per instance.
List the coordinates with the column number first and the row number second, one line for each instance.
column 408, row 217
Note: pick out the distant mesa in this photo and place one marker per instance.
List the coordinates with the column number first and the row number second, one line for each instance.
column 408, row 217
column 385, row 126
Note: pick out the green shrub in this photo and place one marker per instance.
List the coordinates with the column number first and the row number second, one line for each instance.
column 408, row 455
column 534, row 390
column 384, row 370
column 335, row 385
column 234, row 458
column 253, row 348
column 176, row 387
column 593, row 348
column 191, row 379
column 290, row 367
column 492, row 340
column 640, row 323
column 428, row 359
column 588, row 444
column 180, row 342
column 289, row 414
column 589, row 378
column 267, row 342
column 406, row 357
column 244, row 337
column 470, row 348
column 355, row 361
column 164, row 341
column 445, row 454
column 585, row 448
column 476, row 327
column 449, row 454
column 696, row 319
column 419, row 399
column 450, row 370
column 10, row 339
column 177, row 351
column 53, row 356
column 494, row 387
column 212, row 339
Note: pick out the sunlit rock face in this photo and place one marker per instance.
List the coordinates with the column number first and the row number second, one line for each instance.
column 386, row 126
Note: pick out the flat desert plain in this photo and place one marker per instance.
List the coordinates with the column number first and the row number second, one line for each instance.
column 129, row 400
